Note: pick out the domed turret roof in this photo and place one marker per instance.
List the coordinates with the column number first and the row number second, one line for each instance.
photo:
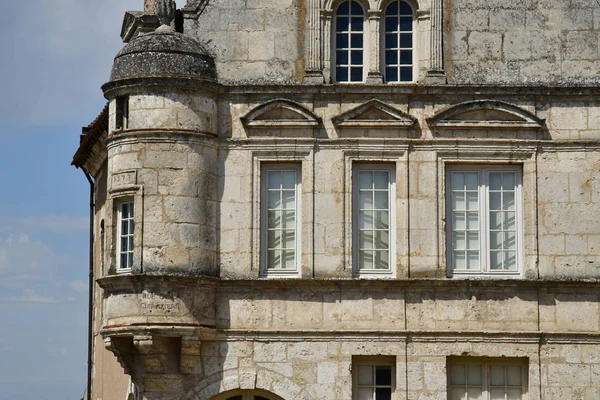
column 164, row 53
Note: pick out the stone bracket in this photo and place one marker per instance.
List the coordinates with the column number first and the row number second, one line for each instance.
column 190, row 354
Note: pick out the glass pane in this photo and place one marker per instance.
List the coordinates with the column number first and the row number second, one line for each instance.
column 510, row 240
column 356, row 40
column 289, row 220
column 342, row 24
column 382, row 259
column 406, row 57
column 509, row 221
column 391, row 74
column 289, row 199
column 341, row 57
column 274, row 179
column 392, row 9
column 460, row 260
column 473, row 241
column 474, row 374
column 458, row 181
column 495, row 180
column 125, row 210
column 365, row 180
column 406, row 40
column 356, row 74
column 472, row 180
column 124, row 260
column 289, row 259
column 460, row 242
column 497, row 375
column 124, row 227
column 289, row 240
column 344, row 8
column 473, row 260
column 459, row 221
column 341, row 74
column 514, row 375
column 274, row 239
column 131, row 226
column 274, row 218
column 472, row 201
column 458, row 394
column 382, row 219
column 457, row 374
column 391, row 57
column 496, row 240
column 383, row 376
column 514, row 394
column 130, row 246
column 510, row 260
column 356, row 24
column 497, row 394
column 274, row 199
column 406, row 23
column 365, row 240
column 129, row 260
column 383, row 394
column 405, row 8
column 356, row 8
column 365, row 200
column 508, row 201
column 357, row 57
column 273, row 259
column 365, row 259
column 472, row 220
column 459, row 202
column 474, row 394
column 382, row 240
column 508, row 180
column 124, row 244
column 342, row 42
column 406, row 74
column 365, row 375
column 365, row 394
column 495, row 260
column 391, row 41
column 391, row 24
column 365, row 219
column 289, row 179
column 495, row 220
column 382, row 200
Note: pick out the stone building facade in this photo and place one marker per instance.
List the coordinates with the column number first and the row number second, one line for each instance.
column 350, row 199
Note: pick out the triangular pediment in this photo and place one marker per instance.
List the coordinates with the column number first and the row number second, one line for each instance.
column 374, row 114
column 486, row 114
column 280, row 113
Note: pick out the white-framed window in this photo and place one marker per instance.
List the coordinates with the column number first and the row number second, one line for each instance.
column 471, row 378
column 125, row 235
column 373, row 378
column 280, row 219
column 121, row 112
column 349, row 40
column 373, row 218
column 484, row 220
column 398, row 42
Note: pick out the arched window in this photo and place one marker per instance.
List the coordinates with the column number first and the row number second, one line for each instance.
column 247, row 395
column 349, row 42
column 399, row 42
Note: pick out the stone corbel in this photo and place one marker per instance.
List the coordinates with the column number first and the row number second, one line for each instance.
column 190, row 354
column 153, row 353
column 123, row 350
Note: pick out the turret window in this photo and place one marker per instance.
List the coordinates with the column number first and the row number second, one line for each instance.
column 125, row 235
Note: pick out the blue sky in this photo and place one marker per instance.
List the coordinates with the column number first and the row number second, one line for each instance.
column 55, row 56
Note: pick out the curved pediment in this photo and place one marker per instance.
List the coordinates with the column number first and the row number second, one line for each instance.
column 280, row 113
column 485, row 114
column 374, row 114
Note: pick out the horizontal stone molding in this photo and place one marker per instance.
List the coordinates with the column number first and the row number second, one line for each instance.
column 160, row 136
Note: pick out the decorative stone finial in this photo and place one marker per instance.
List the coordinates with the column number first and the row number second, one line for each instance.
column 165, row 11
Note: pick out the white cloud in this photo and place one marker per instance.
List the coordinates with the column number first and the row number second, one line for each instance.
column 79, row 286
column 30, row 296
column 46, row 223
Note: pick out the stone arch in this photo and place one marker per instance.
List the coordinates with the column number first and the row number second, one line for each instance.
column 280, row 113
column 247, row 394
column 331, row 5
column 382, row 4
column 211, row 387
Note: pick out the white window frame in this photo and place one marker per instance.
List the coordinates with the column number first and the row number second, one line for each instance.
column 119, row 211
column 365, row 46
column 484, row 247
column 486, row 365
column 373, row 362
column 384, row 49
column 264, row 270
column 391, row 169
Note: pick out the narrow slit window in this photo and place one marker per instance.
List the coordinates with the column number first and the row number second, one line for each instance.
column 125, row 236
column 121, row 112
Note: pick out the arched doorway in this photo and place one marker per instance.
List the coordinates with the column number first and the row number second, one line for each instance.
column 256, row 394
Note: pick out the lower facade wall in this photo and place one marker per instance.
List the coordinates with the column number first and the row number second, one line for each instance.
column 322, row 369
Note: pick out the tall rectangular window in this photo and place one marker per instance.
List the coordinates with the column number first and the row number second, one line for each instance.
column 125, row 234
column 489, row 379
column 121, row 112
column 373, row 378
column 280, row 220
column 484, row 220
column 373, row 219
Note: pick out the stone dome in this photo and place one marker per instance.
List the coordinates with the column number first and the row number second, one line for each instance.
column 164, row 53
